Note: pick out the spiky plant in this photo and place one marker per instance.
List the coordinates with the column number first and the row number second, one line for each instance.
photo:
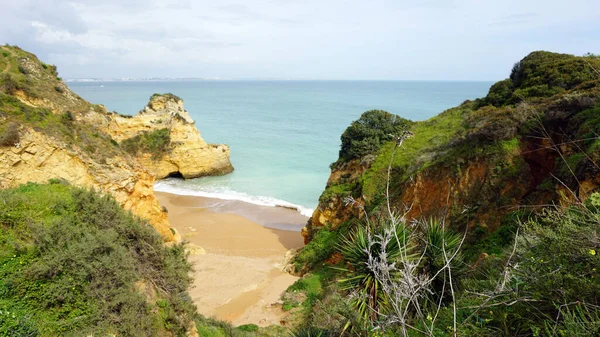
column 368, row 244
column 308, row 331
column 440, row 245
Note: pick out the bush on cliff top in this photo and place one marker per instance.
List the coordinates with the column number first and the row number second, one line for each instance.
column 168, row 95
column 542, row 74
column 74, row 262
column 367, row 134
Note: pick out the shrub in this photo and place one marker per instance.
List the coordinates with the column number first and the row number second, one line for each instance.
column 10, row 135
column 499, row 94
column 367, row 134
column 322, row 245
column 167, row 95
column 549, row 288
column 248, row 328
column 9, row 84
column 75, row 263
column 156, row 143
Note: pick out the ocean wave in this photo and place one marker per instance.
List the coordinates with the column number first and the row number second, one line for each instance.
column 226, row 194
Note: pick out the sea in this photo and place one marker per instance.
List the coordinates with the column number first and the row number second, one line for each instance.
column 283, row 134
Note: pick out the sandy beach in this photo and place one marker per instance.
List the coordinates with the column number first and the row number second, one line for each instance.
column 237, row 250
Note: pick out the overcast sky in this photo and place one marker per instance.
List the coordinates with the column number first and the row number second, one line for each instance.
column 298, row 39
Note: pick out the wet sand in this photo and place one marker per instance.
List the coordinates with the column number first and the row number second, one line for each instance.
column 237, row 250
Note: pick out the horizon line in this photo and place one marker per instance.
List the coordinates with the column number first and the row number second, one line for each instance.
column 216, row 79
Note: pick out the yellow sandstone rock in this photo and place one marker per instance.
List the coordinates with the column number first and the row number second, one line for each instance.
column 38, row 158
column 190, row 156
column 43, row 154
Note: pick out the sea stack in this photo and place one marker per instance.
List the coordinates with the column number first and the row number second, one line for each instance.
column 164, row 138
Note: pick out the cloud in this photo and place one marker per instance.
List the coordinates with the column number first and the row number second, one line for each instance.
column 337, row 39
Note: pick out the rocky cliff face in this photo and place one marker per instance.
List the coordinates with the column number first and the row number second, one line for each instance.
column 186, row 154
column 533, row 140
column 49, row 132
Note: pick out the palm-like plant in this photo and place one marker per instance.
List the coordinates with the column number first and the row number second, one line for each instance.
column 308, row 331
column 440, row 246
column 385, row 243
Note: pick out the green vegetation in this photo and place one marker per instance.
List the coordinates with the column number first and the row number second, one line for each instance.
column 542, row 74
column 485, row 167
column 156, row 143
column 208, row 327
column 418, row 152
column 60, row 126
column 367, row 134
column 322, row 245
column 25, row 74
column 553, row 292
column 337, row 190
column 168, row 95
column 75, row 263
column 544, row 284
column 9, row 134
column 367, row 293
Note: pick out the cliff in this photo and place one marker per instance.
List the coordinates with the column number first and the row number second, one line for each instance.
column 531, row 141
column 184, row 152
column 49, row 132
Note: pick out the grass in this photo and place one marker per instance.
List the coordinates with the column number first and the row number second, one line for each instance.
column 155, row 142
column 338, row 189
column 169, row 96
column 60, row 126
column 417, row 153
column 321, row 247
column 313, row 286
column 208, row 327
column 74, row 262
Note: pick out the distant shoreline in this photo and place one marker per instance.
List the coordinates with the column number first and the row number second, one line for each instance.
column 193, row 79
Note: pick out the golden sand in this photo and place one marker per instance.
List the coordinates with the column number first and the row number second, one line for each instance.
column 239, row 275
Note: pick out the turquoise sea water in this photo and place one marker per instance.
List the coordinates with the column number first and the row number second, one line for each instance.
column 283, row 134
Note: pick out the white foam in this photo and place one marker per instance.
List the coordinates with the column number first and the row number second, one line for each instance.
column 226, row 194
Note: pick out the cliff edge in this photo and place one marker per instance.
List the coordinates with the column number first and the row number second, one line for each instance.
column 49, row 132
column 532, row 141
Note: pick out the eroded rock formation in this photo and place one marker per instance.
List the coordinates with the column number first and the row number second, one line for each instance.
column 188, row 154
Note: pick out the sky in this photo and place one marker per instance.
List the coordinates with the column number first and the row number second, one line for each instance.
column 297, row 39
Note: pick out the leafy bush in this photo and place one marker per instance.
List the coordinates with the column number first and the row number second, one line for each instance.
column 248, row 328
column 367, row 134
column 74, row 262
column 9, row 136
column 541, row 74
column 167, row 95
column 322, row 245
column 156, row 142
column 500, row 92
column 9, row 84
column 547, row 287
